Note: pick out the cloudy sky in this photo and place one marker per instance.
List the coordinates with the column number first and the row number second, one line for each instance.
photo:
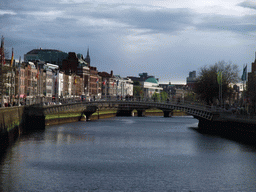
column 165, row 38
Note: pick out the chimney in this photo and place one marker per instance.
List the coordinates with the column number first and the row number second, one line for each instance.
column 111, row 73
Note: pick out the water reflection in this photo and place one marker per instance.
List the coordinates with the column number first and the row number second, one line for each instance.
column 128, row 154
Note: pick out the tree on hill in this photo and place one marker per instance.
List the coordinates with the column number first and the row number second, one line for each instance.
column 207, row 87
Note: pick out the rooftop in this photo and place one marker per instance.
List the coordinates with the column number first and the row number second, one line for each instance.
column 152, row 80
column 36, row 51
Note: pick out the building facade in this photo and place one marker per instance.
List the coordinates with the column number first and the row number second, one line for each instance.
column 95, row 84
column 124, row 87
column 108, row 87
column 191, row 79
column 148, row 84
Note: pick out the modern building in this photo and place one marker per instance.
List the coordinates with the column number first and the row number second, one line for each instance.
column 47, row 55
column 191, row 79
column 149, row 84
column 142, row 77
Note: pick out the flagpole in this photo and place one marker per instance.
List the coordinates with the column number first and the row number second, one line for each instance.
column 244, row 77
column 221, row 89
column 219, row 80
column 219, row 92
column 2, row 63
column 243, row 83
column 12, row 90
column 97, row 86
column 19, row 83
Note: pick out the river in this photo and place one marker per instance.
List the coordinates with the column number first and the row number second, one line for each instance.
column 128, row 154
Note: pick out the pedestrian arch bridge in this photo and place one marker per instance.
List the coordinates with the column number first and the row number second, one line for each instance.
column 207, row 116
column 126, row 108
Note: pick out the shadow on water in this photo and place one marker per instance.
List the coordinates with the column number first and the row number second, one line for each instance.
column 7, row 145
column 244, row 139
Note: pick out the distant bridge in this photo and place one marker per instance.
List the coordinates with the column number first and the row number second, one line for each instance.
column 34, row 116
column 208, row 116
column 125, row 108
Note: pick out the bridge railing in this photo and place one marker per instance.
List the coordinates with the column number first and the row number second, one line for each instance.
column 182, row 103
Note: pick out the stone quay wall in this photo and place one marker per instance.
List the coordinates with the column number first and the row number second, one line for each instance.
column 10, row 125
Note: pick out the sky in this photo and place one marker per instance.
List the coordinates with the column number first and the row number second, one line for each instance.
column 164, row 38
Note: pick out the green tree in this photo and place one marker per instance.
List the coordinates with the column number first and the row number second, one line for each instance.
column 156, row 96
column 163, row 96
column 137, row 90
column 207, row 87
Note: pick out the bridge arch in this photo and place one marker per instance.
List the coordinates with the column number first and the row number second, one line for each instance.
column 126, row 108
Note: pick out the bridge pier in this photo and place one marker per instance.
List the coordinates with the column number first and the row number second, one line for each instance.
column 168, row 113
column 87, row 115
column 141, row 113
column 89, row 111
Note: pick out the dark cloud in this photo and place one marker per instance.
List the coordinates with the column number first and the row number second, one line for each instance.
column 227, row 23
column 157, row 21
column 248, row 4
column 126, row 38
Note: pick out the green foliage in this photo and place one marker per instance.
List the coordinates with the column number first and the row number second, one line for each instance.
column 163, row 96
column 190, row 96
column 136, row 83
column 207, row 87
column 156, row 96
column 138, row 91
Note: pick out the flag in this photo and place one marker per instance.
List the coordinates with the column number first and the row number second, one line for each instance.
column 219, row 77
column 104, row 82
column 97, row 80
column 244, row 75
column 37, row 75
column 117, row 83
column 75, row 81
column 11, row 59
column 113, row 83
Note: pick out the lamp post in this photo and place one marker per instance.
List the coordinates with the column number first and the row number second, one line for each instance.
column 85, row 92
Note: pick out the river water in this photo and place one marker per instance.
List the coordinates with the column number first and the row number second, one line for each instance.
column 128, row 154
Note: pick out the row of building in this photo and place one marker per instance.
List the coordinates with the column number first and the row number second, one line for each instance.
column 48, row 75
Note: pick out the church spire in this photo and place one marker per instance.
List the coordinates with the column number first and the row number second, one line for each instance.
column 87, row 59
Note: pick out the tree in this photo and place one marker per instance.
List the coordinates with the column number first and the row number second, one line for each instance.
column 156, row 96
column 163, row 96
column 137, row 90
column 207, row 87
